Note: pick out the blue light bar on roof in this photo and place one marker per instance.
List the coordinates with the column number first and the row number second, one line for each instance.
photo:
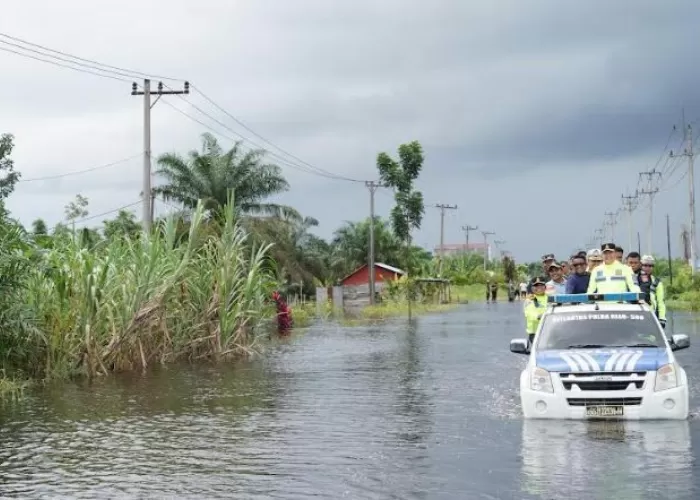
column 573, row 298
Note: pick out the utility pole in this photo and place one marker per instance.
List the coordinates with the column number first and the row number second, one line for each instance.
column 442, row 208
column 147, row 92
column 668, row 249
column 598, row 236
column 486, row 235
column 611, row 224
column 628, row 202
column 372, row 186
column 466, row 230
column 651, row 192
column 497, row 244
column 691, row 179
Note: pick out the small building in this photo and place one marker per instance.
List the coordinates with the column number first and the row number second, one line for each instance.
column 355, row 286
column 382, row 273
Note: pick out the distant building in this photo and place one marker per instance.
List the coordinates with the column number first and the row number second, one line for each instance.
column 382, row 273
column 462, row 249
column 356, row 284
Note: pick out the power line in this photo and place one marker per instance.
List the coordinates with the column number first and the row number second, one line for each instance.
column 127, row 72
column 78, row 172
column 246, row 127
column 306, row 167
column 281, row 159
column 92, row 217
column 63, row 65
column 116, row 73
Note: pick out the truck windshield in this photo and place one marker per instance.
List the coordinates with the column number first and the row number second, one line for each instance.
column 593, row 329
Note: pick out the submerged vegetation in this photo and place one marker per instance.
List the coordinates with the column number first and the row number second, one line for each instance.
column 125, row 304
column 85, row 302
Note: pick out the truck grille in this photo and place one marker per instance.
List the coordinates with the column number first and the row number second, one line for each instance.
column 605, row 385
column 604, row 401
column 603, row 381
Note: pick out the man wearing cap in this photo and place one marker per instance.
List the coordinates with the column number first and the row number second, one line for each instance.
column 578, row 282
column 557, row 284
column 535, row 306
column 652, row 288
column 613, row 276
column 565, row 268
column 547, row 260
column 595, row 259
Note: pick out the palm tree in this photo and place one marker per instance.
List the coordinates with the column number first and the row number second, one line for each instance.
column 351, row 246
column 300, row 256
column 209, row 175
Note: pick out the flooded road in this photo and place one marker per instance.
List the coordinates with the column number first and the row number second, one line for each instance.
column 371, row 412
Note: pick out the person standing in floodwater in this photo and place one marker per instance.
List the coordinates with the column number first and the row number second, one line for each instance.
column 284, row 314
column 491, row 290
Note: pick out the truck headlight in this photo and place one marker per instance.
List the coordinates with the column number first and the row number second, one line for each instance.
column 541, row 380
column 666, row 378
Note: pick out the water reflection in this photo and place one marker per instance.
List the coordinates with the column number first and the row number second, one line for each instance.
column 124, row 436
column 428, row 410
column 621, row 460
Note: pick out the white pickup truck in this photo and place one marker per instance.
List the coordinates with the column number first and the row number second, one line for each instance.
column 602, row 356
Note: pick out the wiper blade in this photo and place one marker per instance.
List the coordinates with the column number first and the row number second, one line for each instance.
column 640, row 345
column 585, row 346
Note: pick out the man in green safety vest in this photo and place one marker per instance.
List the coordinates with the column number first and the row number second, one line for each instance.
column 613, row 276
column 535, row 306
column 653, row 289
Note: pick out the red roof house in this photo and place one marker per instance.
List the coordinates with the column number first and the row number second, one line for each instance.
column 382, row 272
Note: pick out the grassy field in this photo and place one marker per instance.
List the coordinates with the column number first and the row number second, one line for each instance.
column 305, row 314
column 475, row 293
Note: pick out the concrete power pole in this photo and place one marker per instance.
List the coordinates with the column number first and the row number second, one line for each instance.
column 611, row 224
column 688, row 130
column 442, row 208
column 486, row 235
column 691, row 177
column 497, row 244
column 651, row 191
column 147, row 92
column 467, row 228
column 372, row 186
column 598, row 236
column 628, row 202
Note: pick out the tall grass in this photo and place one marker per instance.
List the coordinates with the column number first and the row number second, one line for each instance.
column 128, row 304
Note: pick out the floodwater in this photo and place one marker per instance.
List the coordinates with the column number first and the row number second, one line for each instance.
column 389, row 411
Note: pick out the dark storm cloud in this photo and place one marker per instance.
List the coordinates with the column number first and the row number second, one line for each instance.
column 504, row 95
column 529, row 88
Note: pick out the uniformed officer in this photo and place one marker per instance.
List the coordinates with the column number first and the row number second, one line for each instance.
column 535, row 306
column 653, row 289
column 613, row 276
column 547, row 260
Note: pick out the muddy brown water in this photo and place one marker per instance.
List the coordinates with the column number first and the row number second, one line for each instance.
column 391, row 411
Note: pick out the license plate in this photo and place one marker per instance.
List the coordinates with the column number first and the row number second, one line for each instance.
column 604, row 411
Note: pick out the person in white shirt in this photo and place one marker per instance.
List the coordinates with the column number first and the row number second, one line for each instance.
column 557, row 284
column 523, row 290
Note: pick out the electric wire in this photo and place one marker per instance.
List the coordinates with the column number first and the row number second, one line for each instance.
column 79, row 172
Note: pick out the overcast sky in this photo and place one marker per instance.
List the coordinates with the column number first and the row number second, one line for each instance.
column 535, row 116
